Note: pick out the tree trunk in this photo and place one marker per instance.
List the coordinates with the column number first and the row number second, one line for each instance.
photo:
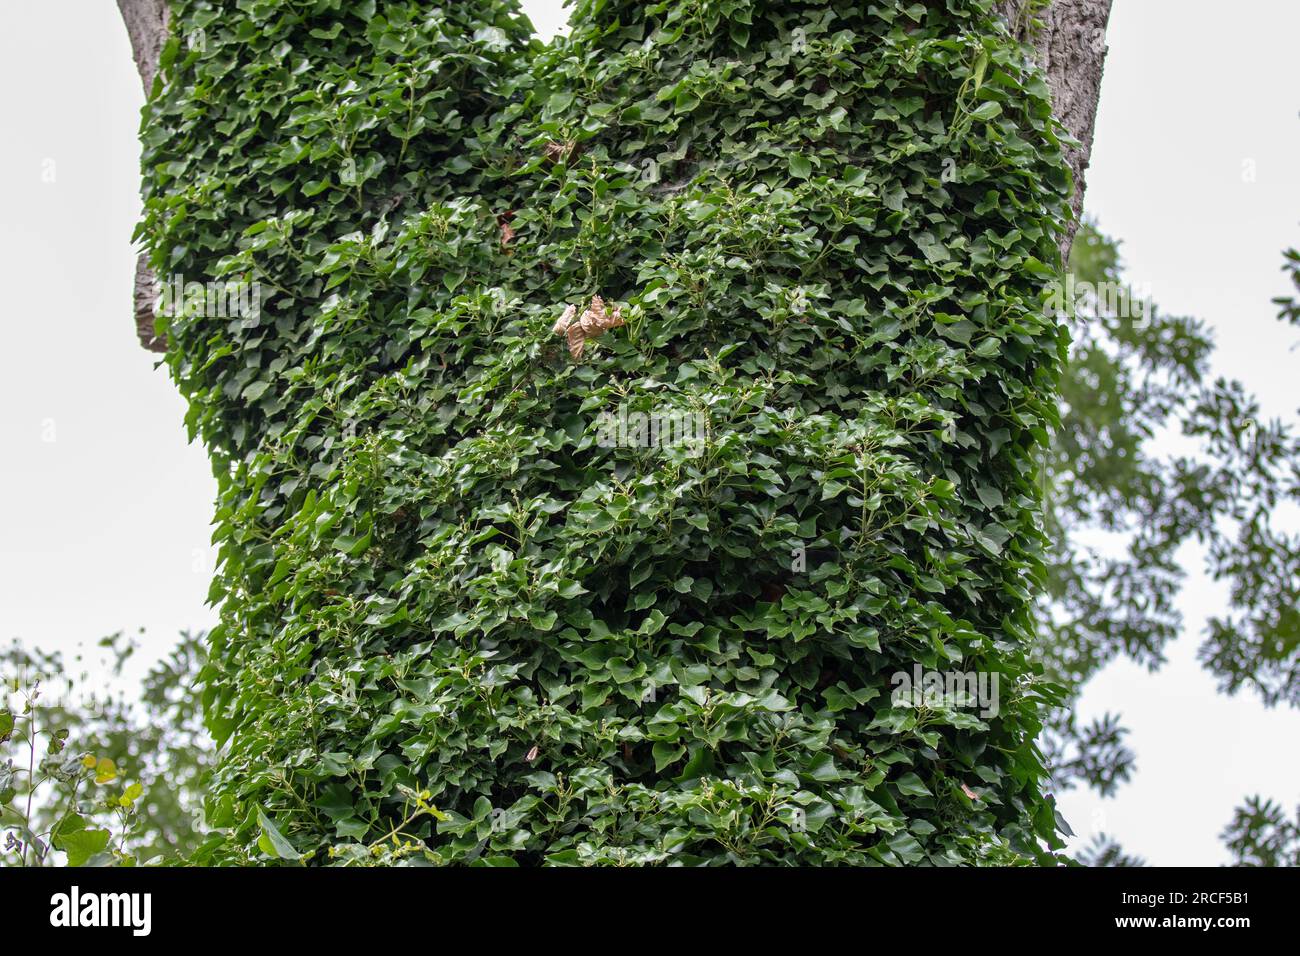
column 458, row 548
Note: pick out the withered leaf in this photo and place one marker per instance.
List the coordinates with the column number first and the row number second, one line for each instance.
column 593, row 322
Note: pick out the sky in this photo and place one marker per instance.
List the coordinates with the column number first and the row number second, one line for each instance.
column 105, row 506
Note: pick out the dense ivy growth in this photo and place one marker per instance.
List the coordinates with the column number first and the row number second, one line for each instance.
column 458, row 624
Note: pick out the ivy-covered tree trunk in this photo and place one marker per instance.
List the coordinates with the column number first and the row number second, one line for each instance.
column 630, row 437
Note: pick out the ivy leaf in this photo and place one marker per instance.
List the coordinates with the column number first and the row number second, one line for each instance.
column 990, row 496
column 272, row 842
column 910, row 785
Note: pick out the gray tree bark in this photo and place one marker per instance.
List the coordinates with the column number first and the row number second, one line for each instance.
column 146, row 25
column 1071, row 45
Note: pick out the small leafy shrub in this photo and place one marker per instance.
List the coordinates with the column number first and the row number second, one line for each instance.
column 54, row 796
column 89, row 768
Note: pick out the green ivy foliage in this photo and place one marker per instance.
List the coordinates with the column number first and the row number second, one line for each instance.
column 459, row 628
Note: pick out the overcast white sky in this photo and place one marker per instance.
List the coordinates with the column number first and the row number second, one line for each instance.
column 104, row 507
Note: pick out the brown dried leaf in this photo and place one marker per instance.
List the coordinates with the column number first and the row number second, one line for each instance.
column 565, row 320
column 577, row 340
column 556, row 152
column 593, row 322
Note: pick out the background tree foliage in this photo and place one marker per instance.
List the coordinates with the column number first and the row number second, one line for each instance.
column 1128, row 385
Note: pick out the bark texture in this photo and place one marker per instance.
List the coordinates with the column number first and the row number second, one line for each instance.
column 146, row 25
column 1071, row 47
